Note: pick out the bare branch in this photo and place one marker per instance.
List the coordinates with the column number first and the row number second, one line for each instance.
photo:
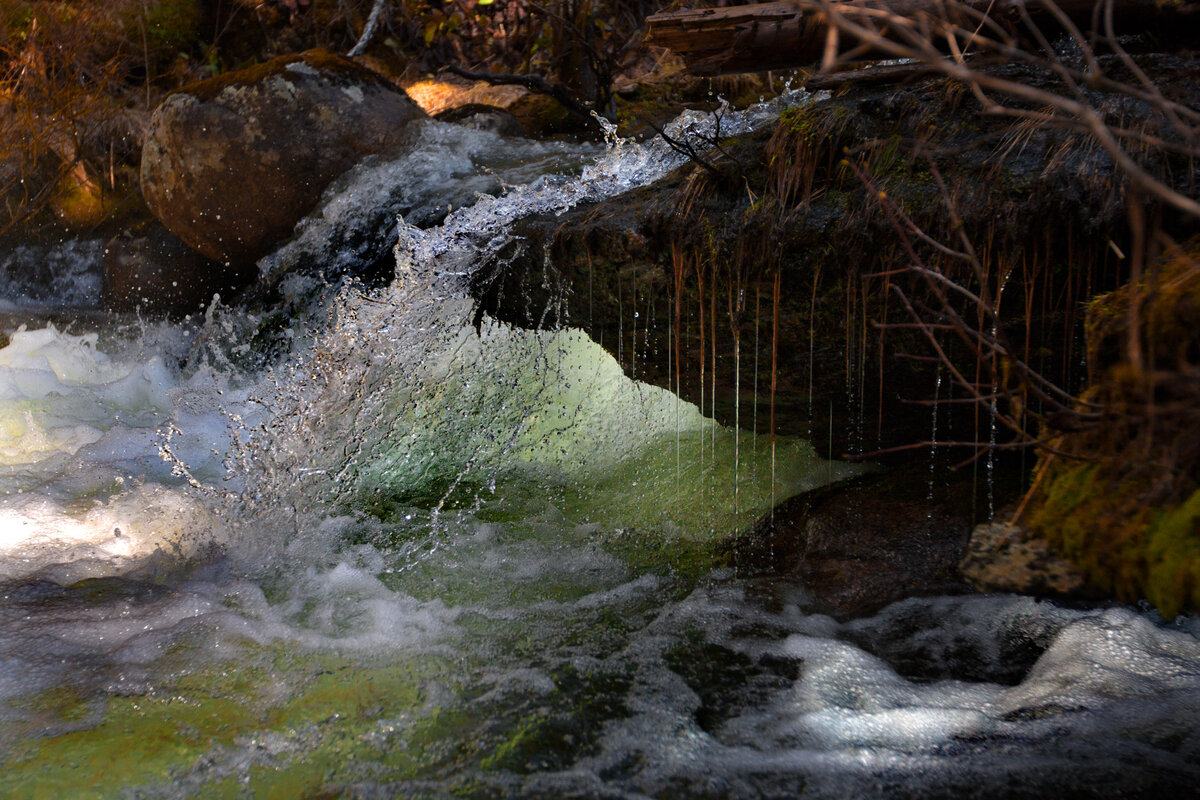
column 534, row 83
column 369, row 29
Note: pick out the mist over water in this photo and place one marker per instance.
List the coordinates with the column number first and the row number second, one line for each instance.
column 418, row 556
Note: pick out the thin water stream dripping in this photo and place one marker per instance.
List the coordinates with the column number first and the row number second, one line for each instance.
column 829, row 445
column 705, row 464
column 702, row 340
column 757, row 315
column 812, row 339
column 674, row 357
column 848, row 371
column 993, row 408
column 860, row 422
column 620, row 324
column 974, row 466
column 737, row 311
column 650, row 355
column 933, row 436
column 673, row 363
column 990, row 467
column 712, row 354
column 633, row 349
column 737, row 411
column 774, row 379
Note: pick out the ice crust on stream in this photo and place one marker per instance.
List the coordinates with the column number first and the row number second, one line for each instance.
column 406, row 485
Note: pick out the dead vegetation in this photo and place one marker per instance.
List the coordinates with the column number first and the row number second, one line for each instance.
column 77, row 81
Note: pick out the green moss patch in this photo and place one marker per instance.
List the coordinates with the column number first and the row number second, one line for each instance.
column 1125, row 548
column 141, row 740
column 1124, row 504
column 330, row 64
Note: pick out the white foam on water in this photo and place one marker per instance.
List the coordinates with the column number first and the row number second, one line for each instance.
column 443, row 166
column 58, row 393
column 1116, row 655
column 1112, row 687
column 452, row 248
column 84, row 490
column 105, row 543
column 118, row 537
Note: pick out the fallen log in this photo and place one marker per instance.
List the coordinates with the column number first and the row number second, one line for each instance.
column 795, row 33
column 718, row 41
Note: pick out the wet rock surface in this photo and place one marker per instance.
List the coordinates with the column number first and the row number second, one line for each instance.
column 781, row 202
column 1001, row 557
column 231, row 164
column 865, row 543
column 150, row 270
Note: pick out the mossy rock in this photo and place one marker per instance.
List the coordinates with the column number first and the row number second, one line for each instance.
column 1127, row 512
column 1123, row 547
column 335, row 69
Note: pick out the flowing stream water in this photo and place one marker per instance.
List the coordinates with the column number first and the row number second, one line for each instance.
column 401, row 552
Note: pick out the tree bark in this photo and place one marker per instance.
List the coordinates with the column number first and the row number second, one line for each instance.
column 794, row 33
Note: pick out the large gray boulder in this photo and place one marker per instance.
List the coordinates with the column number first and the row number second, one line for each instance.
column 230, row 164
